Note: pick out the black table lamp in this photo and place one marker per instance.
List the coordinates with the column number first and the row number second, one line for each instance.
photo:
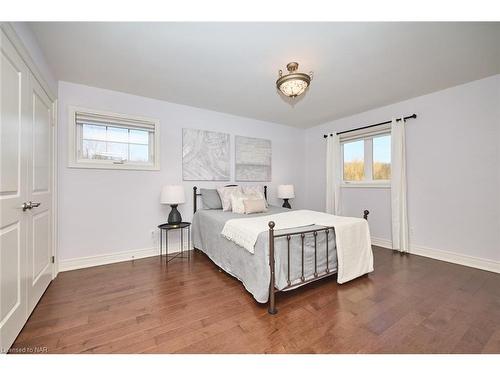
column 173, row 195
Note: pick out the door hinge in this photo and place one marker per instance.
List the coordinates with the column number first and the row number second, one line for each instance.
column 53, row 259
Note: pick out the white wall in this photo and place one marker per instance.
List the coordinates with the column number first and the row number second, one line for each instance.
column 108, row 211
column 452, row 164
column 453, row 172
column 29, row 41
column 453, row 156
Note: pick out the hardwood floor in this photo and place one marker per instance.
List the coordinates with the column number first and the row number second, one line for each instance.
column 410, row 304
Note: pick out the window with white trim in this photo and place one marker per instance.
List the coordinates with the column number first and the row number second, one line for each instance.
column 113, row 141
column 366, row 159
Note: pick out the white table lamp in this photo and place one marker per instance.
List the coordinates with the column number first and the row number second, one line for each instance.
column 173, row 195
column 286, row 192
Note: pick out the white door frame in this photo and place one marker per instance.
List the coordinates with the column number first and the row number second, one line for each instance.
column 23, row 52
column 55, row 197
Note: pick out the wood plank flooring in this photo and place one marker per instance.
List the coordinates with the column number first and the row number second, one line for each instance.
column 410, row 304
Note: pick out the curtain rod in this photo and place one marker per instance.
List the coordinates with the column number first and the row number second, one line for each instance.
column 371, row 126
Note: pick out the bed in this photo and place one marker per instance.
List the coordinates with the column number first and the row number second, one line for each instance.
column 282, row 259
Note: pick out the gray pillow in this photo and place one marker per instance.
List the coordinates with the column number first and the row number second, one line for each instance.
column 211, row 199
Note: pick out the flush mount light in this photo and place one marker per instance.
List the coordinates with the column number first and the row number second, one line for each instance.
column 294, row 83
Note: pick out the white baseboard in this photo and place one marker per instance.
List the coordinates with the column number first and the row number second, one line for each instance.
column 99, row 260
column 446, row 256
column 381, row 242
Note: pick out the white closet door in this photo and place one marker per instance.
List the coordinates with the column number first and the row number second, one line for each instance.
column 26, row 190
column 14, row 146
column 39, row 182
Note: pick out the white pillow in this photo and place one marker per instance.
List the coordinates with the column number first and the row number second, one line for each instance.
column 225, row 195
column 255, row 190
column 237, row 199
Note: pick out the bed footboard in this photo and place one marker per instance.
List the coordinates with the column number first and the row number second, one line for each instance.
column 318, row 274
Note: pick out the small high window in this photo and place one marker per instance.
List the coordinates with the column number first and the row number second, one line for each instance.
column 113, row 141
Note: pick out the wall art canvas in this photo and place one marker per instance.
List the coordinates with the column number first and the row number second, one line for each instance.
column 205, row 155
column 253, row 159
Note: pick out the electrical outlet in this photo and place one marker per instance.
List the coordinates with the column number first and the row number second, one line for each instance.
column 154, row 237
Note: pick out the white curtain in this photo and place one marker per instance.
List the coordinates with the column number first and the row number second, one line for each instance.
column 333, row 175
column 398, row 187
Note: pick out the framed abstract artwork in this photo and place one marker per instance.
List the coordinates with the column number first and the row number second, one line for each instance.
column 205, row 155
column 253, row 159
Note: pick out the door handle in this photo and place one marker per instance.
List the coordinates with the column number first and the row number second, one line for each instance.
column 30, row 205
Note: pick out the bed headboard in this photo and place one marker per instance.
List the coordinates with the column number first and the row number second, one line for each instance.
column 196, row 195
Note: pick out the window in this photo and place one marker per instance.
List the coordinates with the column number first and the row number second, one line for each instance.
column 366, row 159
column 382, row 158
column 112, row 141
column 354, row 161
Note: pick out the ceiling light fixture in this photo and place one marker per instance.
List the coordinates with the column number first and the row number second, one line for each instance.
column 294, row 83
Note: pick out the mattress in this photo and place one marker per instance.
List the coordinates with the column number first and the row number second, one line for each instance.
column 253, row 269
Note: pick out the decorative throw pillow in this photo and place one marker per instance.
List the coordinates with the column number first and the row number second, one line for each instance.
column 237, row 199
column 257, row 190
column 225, row 195
column 253, row 206
column 210, row 199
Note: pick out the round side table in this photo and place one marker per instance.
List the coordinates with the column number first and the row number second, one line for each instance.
column 181, row 227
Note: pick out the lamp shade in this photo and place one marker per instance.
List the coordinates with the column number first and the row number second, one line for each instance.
column 172, row 194
column 286, row 192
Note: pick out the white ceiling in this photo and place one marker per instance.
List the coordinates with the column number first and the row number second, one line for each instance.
column 232, row 67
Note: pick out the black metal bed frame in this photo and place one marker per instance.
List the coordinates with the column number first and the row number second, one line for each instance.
column 304, row 279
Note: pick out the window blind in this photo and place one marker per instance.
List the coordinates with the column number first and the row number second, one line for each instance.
column 114, row 121
column 366, row 133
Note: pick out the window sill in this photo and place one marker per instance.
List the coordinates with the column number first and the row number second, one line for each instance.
column 126, row 166
column 365, row 185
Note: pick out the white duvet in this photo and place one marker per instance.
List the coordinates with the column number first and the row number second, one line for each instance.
column 354, row 251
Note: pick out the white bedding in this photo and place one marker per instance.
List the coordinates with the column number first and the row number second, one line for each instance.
column 354, row 252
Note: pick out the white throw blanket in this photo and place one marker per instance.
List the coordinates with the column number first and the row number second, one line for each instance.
column 354, row 251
